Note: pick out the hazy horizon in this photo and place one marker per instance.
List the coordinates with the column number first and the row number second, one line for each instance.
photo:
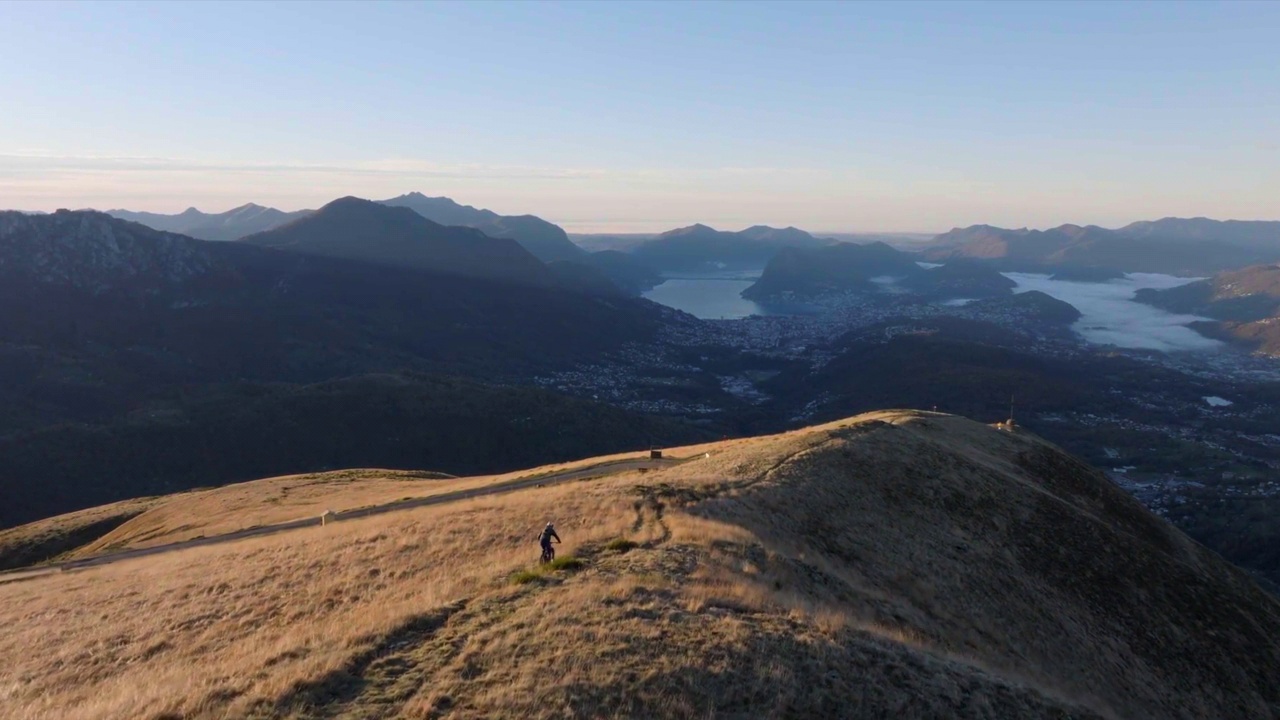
column 658, row 228
column 648, row 227
column 642, row 117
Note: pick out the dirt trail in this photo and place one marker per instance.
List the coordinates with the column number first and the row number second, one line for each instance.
column 608, row 468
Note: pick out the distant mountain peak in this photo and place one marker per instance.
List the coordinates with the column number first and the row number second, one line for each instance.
column 1074, row 231
column 350, row 200
column 353, row 228
column 789, row 228
column 230, row 225
column 700, row 246
column 765, row 233
column 437, row 200
column 690, row 229
column 545, row 241
column 351, row 209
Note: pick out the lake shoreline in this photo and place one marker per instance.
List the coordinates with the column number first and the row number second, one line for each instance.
column 1110, row 315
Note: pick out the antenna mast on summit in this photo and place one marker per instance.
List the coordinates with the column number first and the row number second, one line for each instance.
column 1011, row 396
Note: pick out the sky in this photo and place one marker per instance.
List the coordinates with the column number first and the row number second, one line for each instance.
column 618, row 117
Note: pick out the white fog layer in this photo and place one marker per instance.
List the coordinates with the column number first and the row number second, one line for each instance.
column 1111, row 317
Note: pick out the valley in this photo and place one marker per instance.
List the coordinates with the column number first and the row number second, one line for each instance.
column 564, row 360
column 310, row 354
column 1136, row 410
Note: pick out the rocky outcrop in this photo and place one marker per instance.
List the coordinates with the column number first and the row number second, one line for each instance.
column 95, row 252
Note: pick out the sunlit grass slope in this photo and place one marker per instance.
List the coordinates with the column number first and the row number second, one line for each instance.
column 897, row 564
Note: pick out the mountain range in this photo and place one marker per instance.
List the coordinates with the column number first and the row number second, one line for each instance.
column 86, row 277
column 355, row 229
column 230, row 225
column 1178, row 246
column 1185, row 247
column 1261, row 234
column 126, row 339
column 546, row 241
column 699, row 247
column 603, row 273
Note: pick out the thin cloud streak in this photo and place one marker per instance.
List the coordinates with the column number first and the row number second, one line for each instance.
column 41, row 163
column 54, row 164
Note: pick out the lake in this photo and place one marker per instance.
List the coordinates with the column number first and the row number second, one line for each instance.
column 707, row 298
column 1109, row 314
column 717, row 296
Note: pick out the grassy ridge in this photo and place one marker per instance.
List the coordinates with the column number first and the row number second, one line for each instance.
column 898, row 564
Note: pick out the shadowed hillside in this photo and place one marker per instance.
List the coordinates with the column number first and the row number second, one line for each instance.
column 842, row 267
column 960, row 278
column 355, row 229
column 246, row 431
column 136, row 362
column 44, row 540
column 1244, row 306
column 624, row 270
column 90, row 298
column 230, row 225
column 899, row 564
column 546, row 241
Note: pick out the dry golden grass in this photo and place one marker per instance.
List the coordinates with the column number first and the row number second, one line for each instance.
column 235, row 507
column 47, row 539
column 177, row 633
column 231, row 508
column 902, row 565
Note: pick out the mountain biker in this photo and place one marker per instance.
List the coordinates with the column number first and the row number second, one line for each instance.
column 548, row 532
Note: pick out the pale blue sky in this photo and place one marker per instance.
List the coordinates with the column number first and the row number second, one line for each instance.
column 635, row 117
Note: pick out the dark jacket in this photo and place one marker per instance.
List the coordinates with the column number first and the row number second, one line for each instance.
column 547, row 534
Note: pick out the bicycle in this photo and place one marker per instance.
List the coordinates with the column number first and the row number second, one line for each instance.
column 548, row 554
